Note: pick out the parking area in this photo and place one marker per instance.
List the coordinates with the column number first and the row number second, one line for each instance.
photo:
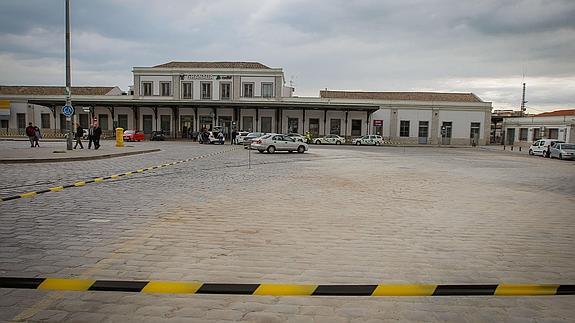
column 333, row 215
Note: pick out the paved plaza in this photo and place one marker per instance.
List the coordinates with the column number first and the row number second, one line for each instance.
column 334, row 215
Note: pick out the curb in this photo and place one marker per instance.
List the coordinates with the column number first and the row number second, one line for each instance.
column 70, row 159
column 173, row 287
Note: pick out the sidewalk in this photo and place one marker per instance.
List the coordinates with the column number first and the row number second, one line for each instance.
column 499, row 148
column 19, row 151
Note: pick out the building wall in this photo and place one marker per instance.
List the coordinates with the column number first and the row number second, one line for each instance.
column 461, row 125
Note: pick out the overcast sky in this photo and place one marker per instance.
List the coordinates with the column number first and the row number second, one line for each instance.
column 477, row 46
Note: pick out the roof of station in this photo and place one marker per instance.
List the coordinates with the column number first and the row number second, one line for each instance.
column 55, row 90
column 558, row 113
column 400, row 96
column 228, row 65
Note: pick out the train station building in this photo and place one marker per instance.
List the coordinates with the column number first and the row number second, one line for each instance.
column 247, row 96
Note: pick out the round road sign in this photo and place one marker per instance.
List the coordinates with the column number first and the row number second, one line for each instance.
column 68, row 110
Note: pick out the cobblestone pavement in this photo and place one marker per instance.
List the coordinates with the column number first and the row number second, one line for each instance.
column 335, row 215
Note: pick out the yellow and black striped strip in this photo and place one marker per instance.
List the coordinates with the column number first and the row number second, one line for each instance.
column 102, row 179
column 173, row 287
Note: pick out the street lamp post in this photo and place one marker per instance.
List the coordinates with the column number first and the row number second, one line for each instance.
column 68, row 78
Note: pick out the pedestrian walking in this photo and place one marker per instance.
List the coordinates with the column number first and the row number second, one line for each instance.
column 37, row 136
column 184, row 132
column 221, row 137
column 234, row 137
column 97, row 134
column 31, row 133
column 91, row 137
column 79, row 135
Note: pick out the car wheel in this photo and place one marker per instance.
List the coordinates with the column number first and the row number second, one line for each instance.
column 300, row 149
column 357, row 143
column 261, row 151
column 271, row 149
column 338, row 142
column 317, row 142
column 531, row 152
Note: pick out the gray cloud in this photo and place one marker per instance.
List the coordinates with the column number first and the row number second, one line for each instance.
column 360, row 45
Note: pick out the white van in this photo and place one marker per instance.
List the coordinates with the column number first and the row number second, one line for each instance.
column 540, row 146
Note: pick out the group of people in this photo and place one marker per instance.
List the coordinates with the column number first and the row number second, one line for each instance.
column 34, row 135
column 94, row 134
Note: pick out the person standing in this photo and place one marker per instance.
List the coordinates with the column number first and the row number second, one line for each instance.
column 184, row 132
column 221, row 137
column 37, row 136
column 31, row 134
column 79, row 135
column 97, row 134
column 234, row 137
column 91, row 137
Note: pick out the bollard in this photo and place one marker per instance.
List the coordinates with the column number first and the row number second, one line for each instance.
column 119, row 137
column 519, row 148
column 503, row 147
column 511, row 148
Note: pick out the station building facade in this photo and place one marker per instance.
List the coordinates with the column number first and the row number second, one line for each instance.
column 525, row 131
column 248, row 96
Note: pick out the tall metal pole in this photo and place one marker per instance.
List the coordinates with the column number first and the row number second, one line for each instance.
column 523, row 102
column 68, row 78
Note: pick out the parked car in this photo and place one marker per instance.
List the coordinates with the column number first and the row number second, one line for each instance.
column 329, row 139
column 541, row 146
column 375, row 140
column 563, row 151
column 240, row 137
column 157, row 136
column 297, row 137
column 275, row 142
column 133, row 135
column 85, row 136
column 250, row 137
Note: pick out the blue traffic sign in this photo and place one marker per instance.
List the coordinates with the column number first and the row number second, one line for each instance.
column 67, row 110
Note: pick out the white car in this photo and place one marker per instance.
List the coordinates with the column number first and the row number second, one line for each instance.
column 240, row 137
column 329, row 139
column 296, row 137
column 375, row 140
column 541, row 146
column 563, row 151
column 275, row 142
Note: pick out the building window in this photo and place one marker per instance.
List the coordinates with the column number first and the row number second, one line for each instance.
column 553, row 133
column 21, row 120
column 225, row 91
column 536, row 134
column 266, row 124
column 476, row 129
column 147, row 123
column 165, row 88
column 206, row 90
column 4, row 124
column 147, row 88
column 523, row 134
column 446, row 129
column 186, row 90
column 356, row 127
column 314, row 127
column 293, row 125
column 404, row 128
column 248, row 90
column 165, row 123
column 335, row 127
column 423, row 129
column 123, row 121
column 248, row 123
column 267, row 90
column 45, row 118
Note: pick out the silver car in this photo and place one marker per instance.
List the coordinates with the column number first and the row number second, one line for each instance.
column 563, row 151
column 276, row 142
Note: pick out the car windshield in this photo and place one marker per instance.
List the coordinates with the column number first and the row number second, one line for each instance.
column 129, row 132
column 266, row 136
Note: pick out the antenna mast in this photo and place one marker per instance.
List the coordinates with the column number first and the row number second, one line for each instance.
column 523, row 101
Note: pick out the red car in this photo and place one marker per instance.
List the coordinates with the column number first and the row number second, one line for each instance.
column 133, row 135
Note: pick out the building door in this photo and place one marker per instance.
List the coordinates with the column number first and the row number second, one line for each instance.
column 62, row 123
column 206, row 123
column 510, row 137
column 21, row 120
column 314, row 127
column 423, row 132
column 266, row 124
column 474, row 133
column 247, row 124
column 103, row 121
column 188, row 123
column 147, row 123
column 84, row 120
column 293, row 125
column 226, row 123
column 446, row 133
column 165, row 124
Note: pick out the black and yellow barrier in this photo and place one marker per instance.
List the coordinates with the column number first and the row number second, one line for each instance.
column 171, row 287
column 102, row 179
